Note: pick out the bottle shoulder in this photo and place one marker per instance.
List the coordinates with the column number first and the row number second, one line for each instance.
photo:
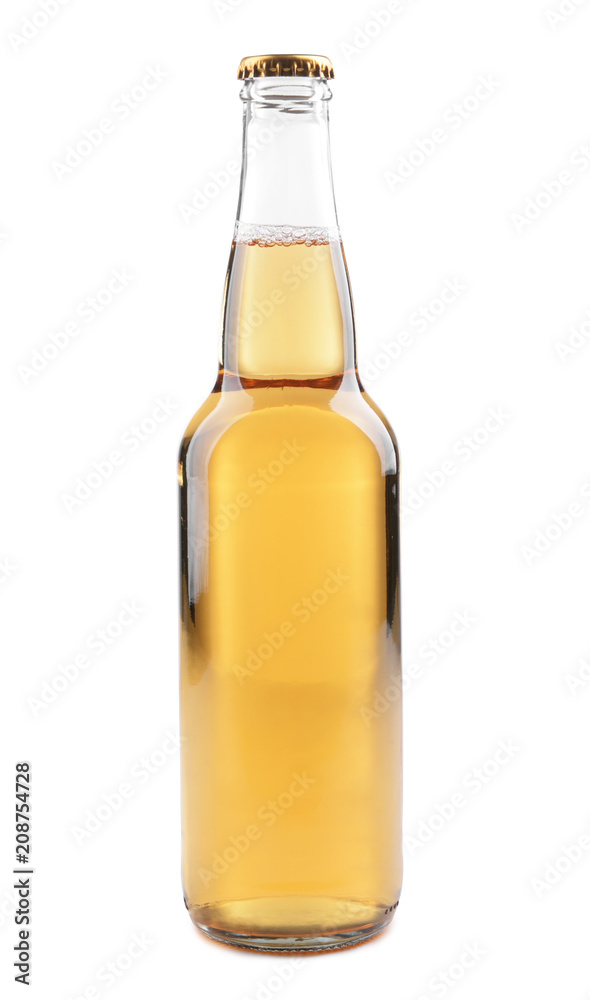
column 383, row 422
column 198, row 419
column 346, row 423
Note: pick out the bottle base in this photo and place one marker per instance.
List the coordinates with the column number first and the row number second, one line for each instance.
column 292, row 924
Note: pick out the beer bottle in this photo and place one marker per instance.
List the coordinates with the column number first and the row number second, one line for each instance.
column 290, row 618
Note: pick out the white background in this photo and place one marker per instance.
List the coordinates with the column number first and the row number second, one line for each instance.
column 470, row 547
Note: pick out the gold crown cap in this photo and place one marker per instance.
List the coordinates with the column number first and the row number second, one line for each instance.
column 285, row 65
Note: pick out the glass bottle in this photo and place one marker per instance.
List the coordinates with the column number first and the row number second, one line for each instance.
column 290, row 627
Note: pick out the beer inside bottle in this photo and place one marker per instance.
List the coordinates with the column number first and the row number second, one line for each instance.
column 290, row 633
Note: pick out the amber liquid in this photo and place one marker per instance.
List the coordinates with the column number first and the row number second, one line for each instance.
column 290, row 623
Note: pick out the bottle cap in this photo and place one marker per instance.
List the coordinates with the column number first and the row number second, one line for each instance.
column 286, row 65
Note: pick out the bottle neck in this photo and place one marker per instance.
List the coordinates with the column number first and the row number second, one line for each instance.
column 288, row 309
column 286, row 164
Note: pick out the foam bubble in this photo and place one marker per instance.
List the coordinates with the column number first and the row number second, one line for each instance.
column 269, row 236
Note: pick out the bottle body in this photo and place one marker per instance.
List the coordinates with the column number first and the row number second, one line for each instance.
column 291, row 782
